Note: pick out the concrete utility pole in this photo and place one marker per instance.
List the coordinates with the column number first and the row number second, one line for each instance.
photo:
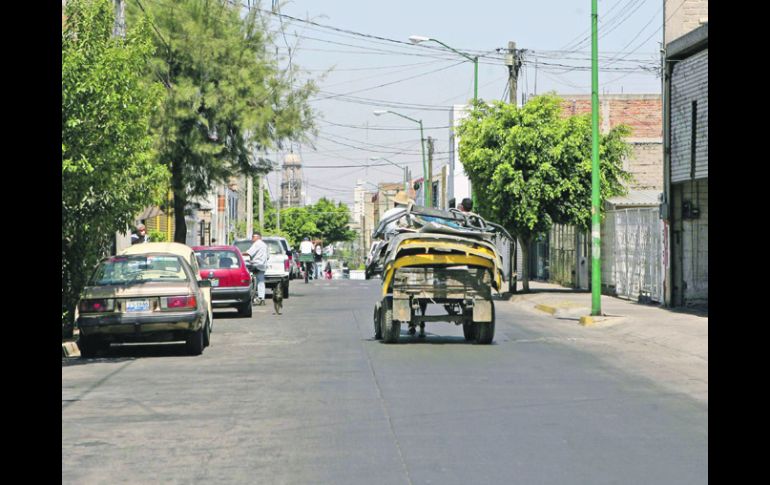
column 261, row 203
column 429, row 182
column 249, row 206
column 513, row 61
column 120, row 19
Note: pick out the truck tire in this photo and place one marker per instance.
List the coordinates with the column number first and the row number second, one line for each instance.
column 391, row 329
column 485, row 332
column 377, row 327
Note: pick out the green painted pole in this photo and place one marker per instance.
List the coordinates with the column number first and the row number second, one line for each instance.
column 596, row 243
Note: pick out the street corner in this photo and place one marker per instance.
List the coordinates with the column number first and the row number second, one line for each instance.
column 70, row 349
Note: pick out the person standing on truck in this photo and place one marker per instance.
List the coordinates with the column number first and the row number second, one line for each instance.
column 259, row 255
column 466, row 205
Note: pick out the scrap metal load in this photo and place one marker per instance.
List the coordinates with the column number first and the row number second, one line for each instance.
column 448, row 258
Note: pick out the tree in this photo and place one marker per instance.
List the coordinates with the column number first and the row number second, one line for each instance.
column 332, row 221
column 109, row 172
column 535, row 166
column 226, row 95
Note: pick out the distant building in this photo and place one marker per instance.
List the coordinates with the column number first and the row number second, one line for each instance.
column 291, row 182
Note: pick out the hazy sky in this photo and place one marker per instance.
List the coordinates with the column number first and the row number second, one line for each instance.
column 424, row 81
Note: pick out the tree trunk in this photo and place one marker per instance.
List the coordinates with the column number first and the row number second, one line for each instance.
column 180, row 201
column 525, row 264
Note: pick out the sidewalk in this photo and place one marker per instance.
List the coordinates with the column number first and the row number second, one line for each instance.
column 669, row 346
column 69, row 347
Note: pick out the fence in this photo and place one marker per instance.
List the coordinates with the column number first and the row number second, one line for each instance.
column 632, row 249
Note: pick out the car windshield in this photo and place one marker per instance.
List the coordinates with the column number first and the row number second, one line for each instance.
column 140, row 268
column 218, row 259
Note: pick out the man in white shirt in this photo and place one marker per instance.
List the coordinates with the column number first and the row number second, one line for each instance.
column 259, row 255
column 306, row 247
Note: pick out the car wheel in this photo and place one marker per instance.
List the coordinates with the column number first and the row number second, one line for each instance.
column 195, row 342
column 88, row 346
column 245, row 309
column 207, row 334
column 286, row 289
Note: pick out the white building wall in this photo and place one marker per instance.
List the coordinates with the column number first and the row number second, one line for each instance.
column 458, row 186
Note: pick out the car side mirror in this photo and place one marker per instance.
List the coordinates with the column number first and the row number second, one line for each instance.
column 204, row 283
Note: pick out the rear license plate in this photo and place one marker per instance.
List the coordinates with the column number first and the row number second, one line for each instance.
column 137, row 305
column 214, row 282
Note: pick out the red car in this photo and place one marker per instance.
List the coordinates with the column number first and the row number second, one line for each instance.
column 231, row 281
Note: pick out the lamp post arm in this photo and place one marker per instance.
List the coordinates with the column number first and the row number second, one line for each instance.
column 472, row 59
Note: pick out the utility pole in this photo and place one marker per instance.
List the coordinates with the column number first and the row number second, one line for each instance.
column 120, row 19
column 429, row 182
column 596, row 246
column 249, row 206
column 513, row 61
column 261, row 204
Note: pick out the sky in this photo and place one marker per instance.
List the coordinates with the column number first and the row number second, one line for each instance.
column 360, row 55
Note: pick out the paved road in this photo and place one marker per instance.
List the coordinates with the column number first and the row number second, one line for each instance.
column 308, row 397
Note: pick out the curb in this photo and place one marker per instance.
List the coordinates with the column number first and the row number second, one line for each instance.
column 70, row 349
column 546, row 308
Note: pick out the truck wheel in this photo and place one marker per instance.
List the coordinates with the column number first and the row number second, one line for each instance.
column 485, row 332
column 286, row 289
column 391, row 329
column 377, row 328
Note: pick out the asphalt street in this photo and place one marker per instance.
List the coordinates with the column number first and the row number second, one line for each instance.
column 308, row 397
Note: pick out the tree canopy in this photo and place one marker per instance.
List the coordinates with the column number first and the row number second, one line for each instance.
column 109, row 168
column 324, row 220
column 535, row 165
column 227, row 98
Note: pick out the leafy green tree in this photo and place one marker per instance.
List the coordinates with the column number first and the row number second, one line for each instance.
column 109, row 172
column 298, row 222
column 535, row 166
column 227, row 97
column 332, row 220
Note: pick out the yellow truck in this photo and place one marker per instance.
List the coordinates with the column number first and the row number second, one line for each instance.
column 445, row 258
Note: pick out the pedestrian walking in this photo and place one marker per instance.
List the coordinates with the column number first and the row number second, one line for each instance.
column 259, row 254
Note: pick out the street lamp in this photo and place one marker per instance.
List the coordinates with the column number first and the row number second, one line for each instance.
column 406, row 177
column 416, row 39
column 426, row 182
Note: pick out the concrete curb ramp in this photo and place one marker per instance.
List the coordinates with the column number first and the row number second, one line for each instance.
column 70, row 349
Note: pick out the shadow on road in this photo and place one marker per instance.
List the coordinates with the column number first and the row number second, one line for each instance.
column 123, row 352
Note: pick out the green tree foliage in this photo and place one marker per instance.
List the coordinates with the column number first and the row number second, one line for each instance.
column 109, row 171
column 535, row 166
column 227, row 97
column 332, row 220
column 323, row 220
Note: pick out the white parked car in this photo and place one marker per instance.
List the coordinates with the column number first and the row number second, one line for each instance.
column 278, row 264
